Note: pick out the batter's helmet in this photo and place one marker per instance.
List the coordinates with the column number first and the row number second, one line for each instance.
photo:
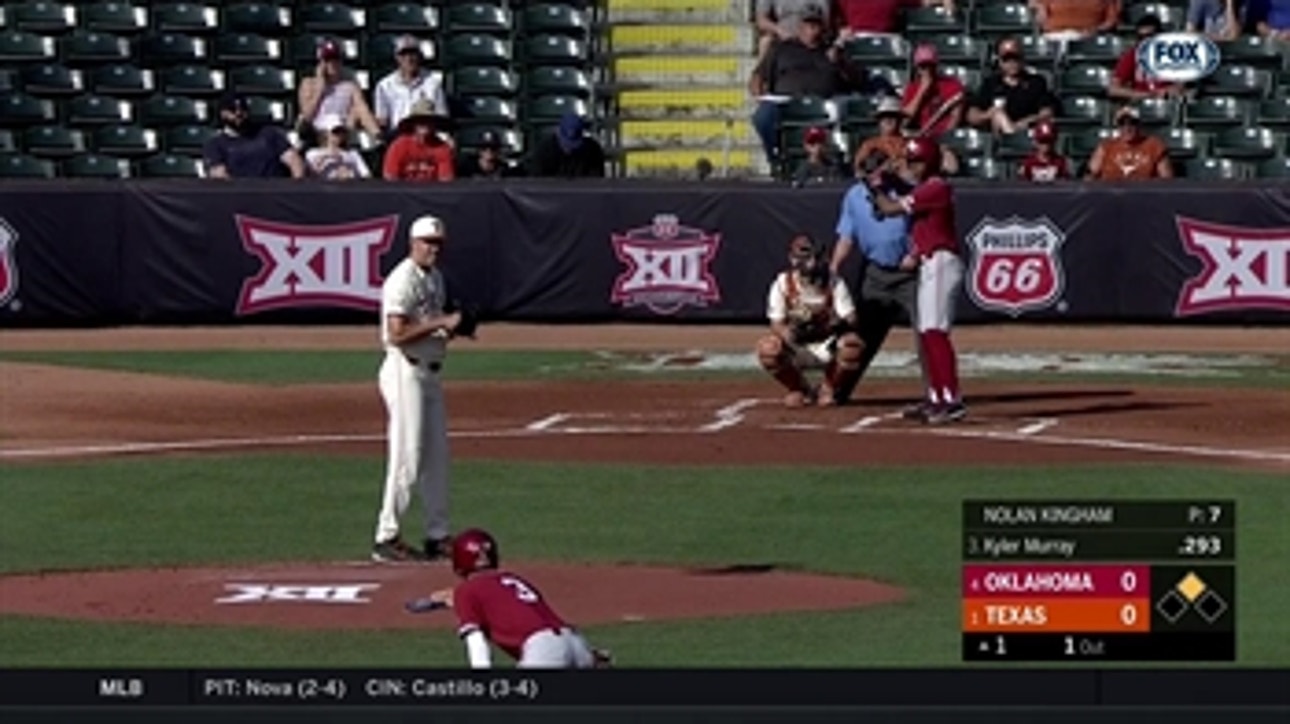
column 923, row 150
column 473, row 550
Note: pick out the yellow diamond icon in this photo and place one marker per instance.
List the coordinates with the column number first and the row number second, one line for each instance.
column 1191, row 587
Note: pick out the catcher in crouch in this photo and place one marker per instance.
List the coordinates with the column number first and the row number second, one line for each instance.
column 812, row 322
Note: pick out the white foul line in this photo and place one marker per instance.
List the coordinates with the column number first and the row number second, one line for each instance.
column 1037, row 426
column 547, row 422
column 797, row 426
column 865, row 423
column 730, row 415
column 1116, row 444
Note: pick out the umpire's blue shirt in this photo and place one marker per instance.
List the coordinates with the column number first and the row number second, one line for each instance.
column 883, row 241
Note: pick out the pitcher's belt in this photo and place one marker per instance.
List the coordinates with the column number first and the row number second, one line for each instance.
column 432, row 366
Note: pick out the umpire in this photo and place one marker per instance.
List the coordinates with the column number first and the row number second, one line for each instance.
column 885, row 289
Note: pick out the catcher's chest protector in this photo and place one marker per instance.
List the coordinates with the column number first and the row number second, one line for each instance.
column 807, row 302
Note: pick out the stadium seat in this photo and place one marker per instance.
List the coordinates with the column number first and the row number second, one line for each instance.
column 472, row 137
column 967, row 142
column 1101, row 49
column 984, row 168
column 89, row 48
column 477, row 49
column 555, row 18
column 94, row 165
column 1083, row 111
column 963, row 49
column 162, row 111
column 1172, row 16
column 268, row 19
column 302, row 50
column 1185, row 143
column 1278, row 167
column 969, row 77
column 86, row 111
column 558, row 80
column 479, row 18
column 1039, row 51
column 1013, row 18
column 267, row 111
column 805, row 111
column 187, row 140
column 1014, row 145
column 125, row 141
column 1083, row 143
column 19, row 47
column 897, row 77
column 858, row 111
column 1216, row 169
column 1275, row 113
column 1252, row 50
column 878, row 50
column 920, row 21
column 1217, row 111
column 1239, row 80
column 485, row 109
column 185, row 17
column 8, row 144
column 123, row 80
column 10, row 81
column 53, row 141
column 262, row 80
column 18, row 165
column 169, row 165
column 1086, row 79
column 548, row 109
column 328, row 17
column 483, row 80
column 121, row 18
column 555, row 50
column 18, row 110
column 1158, row 111
column 163, row 50
column 379, row 51
column 404, row 17
column 197, row 81
column 41, row 17
column 1246, row 143
column 244, row 48
column 48, row 79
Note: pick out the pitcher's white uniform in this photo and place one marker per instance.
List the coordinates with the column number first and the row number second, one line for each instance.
column 413, row 395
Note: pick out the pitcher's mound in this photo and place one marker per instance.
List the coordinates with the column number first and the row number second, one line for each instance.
column 371, row 596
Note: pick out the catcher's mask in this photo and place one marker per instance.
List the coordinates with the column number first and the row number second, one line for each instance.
column 473, row 550
column 807, row 258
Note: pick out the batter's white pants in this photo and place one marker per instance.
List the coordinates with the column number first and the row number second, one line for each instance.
column 550, row 650
column 417, row 453
column 939, row 277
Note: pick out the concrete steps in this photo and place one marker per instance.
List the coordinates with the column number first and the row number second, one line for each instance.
column 684, row 70
column 685, row 11
column 707, row 134
column 678, row 38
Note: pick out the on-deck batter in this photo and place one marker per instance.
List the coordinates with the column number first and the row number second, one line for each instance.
column 415, row 331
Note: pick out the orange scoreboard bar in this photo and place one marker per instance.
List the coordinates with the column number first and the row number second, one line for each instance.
column 1105, row 580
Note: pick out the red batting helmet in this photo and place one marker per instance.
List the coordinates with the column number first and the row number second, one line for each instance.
column 473, row 550
column 925, row 150
column 1044, row 132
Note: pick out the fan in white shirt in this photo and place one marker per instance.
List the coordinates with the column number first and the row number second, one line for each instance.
column 333, row 160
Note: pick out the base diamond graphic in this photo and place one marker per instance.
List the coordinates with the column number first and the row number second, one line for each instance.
column 1191, row 587
column 1171, row 606
column 1211, row 606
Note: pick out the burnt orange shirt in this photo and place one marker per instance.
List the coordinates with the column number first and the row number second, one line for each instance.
column 1138, row 159
column 892, row 146
column 1082, row 15
column 408, row 159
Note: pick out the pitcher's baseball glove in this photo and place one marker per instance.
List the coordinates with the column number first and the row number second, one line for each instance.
column 469, row 322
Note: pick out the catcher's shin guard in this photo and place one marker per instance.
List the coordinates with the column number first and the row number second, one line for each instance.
column 777, row 359
column 844, row 370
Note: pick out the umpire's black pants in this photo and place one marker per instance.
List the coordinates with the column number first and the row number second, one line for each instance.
column 887, row 296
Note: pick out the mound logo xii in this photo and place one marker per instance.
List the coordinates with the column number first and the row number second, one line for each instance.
column 1099, row 580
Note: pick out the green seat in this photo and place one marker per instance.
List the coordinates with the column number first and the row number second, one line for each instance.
column 555, row 18
column 552, row 108
column 244, row 48
column 486, row 110
column 483, row 80
column 1216, row 169
column 53, row 141
column 1217, row 111
column 20, row 47
column 858, row 111
column 327, row 17
column 1084, row 111
column 197, row 81
column 558, row 80
column 41, row 17
column 963, row 49
column 1013, row 18
column 262, row 80
column 1086, row 80
column 125, row 141
column 1158, row 111
column 8, row 144
column 1099, row 50
column 934, row 21
column 122, row 79
column 169, row 165
column 1246, row 143
column 188, row 140
column 19, row 165
column 121, row 18
column 1082, row 143
column 1252, row 50
column 162, row 50
column 378, row 51
column 1039, row 51
column 1172, row 16
column 94, row 165
column 19, row 109
column 805, row 111
column 10, row 81
column 50, row 79
column 896, row 77
column 983, row 168
column 477, row 49
column 555, row 50
column 257, row 18
column 478, row 18
column 267, row 111
column 302, row 50
column 163, row 111
column 1278, row 167
column 1275, row 113
column 1185, row 143
column 89, row 48
column 968, row 142
column 887, row 50
column 414, row 18
column 194, row 18
column 1014, row 145
column 87, row 111
column 472, row 137
column 1239, row 80
column 969, row 77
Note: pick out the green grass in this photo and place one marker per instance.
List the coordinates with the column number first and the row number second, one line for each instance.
column 895, row 524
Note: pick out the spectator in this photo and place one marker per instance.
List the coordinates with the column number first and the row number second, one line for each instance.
column 1044, row 164
column 1216, row 18
column 932, row 103
column 332, row 160
column 1271, row 18
column 328, row 94
column 1129, row 82
column 1065, row 20
column 488, row 162
column 569, row 152
column 243, row 149
column 399, row 91
column 1131, row 154
column 778, row 20
column 419, row 154
column 820, row 165
column 877, row 17
column 1012, row 98
column 889, row 142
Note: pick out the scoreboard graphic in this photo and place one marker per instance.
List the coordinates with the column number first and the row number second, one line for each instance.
column 1099, row 581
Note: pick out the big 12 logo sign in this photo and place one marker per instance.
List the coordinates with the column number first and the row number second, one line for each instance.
column 668, row 266
column 1016, row 265
column 1242, row 268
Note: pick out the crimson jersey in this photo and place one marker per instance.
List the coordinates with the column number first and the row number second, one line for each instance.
column 1034, row 168
column 505, row 607
column 931, row 210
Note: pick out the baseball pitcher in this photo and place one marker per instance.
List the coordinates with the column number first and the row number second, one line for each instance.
column 812, row 322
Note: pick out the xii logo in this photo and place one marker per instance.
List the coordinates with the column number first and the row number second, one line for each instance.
column 668, row 266
column 8, row 262
column 270, row 593
column 1242, row 268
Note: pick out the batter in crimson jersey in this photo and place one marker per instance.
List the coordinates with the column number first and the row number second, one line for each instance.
column 935, row 254
column 1044, row 164
column 502, row 607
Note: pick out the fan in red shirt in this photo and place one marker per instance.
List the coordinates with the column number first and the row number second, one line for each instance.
column 419, row 154
column 935, row 255
column 934, row 103
column 1044, row 164
column 1129, row 82
column 502, row 607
